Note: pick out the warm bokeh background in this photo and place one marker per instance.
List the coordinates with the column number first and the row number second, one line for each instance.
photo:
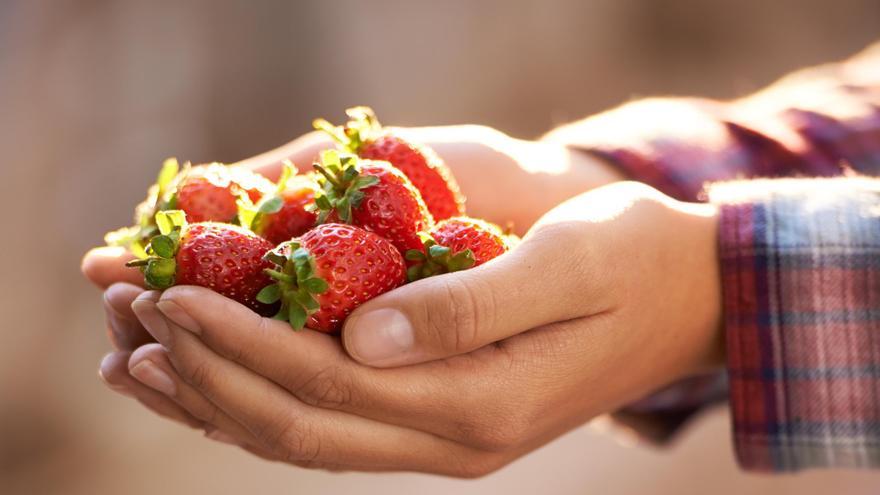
column 94, row 93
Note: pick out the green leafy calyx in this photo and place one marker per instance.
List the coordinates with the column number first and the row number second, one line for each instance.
column 342, row 185
column 160, row 265
column 362, row 127
column 436, row 259
column 295, row 284
column 251, row 215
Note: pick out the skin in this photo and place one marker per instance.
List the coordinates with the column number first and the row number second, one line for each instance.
column 614, row 292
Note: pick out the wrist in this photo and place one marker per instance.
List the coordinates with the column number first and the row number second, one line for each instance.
column 708, row 338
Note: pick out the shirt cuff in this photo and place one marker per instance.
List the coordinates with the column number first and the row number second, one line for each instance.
column 800, row 266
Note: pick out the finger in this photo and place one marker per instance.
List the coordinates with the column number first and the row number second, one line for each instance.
column 302, row 151
column 104, row 266
column 114, row 372
column 218, row 426
column 126, row 332
column 456, row 313
column 314, row 368
column 296, row 431
column 150, row 366
column 310, row 365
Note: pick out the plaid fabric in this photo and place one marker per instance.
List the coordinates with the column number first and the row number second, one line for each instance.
column 801, row 275
column 800, row 259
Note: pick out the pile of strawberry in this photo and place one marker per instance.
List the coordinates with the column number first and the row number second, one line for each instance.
column 379, row 211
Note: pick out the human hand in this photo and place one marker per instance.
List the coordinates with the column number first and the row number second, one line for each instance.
column 537, row 174
column 611, row 296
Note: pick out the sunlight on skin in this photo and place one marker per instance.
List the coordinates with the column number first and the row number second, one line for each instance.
column 607, row 204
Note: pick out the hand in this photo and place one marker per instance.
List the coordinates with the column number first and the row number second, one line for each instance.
column 611, row 296
column 538, row 174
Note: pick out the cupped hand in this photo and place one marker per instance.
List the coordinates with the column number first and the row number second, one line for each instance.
column 610, row 296
column 491, row 168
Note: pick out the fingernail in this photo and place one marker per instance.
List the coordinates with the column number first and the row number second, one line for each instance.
column 379, row 335
column 104, row 370
column 152, row 319
column 222, row 437
column 178, row 315
column 152, row 376
column 121, row 327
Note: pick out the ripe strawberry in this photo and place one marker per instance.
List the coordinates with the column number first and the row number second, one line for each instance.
column 363, row 136
column 325, row 274
column 457, row 244
column 204, row 192
column 287, row 213
column 372, row 195
column 208, row 193
column 224, row 258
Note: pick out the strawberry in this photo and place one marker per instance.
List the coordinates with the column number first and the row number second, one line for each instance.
column 224, row 258
column 372, row 195
column 457, row 244
column 326, row 273
column 285, row 214
column 208, row 193
column 365, row 137
column 204, row 192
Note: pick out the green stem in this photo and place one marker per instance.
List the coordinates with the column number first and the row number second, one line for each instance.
column 282, row 277
column 330, row 177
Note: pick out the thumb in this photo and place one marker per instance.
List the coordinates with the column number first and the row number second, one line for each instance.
column 459, row 312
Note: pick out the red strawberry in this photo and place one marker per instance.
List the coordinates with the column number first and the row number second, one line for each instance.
column 285, row 214
column 457, row 244
column 204, row 192
column 373, row 195
column 208, row 193
column 363, row 136
column 329, row 271
column 224, row 258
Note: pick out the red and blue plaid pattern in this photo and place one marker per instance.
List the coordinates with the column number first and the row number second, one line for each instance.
column 800, row 258
column 801, row 275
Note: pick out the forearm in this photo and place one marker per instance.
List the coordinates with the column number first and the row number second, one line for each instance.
column 812, row 123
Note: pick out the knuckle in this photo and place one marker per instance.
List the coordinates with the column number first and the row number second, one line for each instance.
column 291, row 440
column 461, row 311
column 296, row 443
column 330, row 387
column 485, row 432
column 199, row 376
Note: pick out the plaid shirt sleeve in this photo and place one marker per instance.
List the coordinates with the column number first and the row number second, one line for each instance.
column 800, row 267
column 818, row 122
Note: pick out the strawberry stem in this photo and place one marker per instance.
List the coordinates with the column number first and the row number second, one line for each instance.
column 331, row 177
column 279, row 276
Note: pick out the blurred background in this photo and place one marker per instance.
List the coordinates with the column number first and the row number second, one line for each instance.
column 95, row 93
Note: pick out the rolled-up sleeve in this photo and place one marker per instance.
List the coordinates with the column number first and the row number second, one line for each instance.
column 800, row 264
